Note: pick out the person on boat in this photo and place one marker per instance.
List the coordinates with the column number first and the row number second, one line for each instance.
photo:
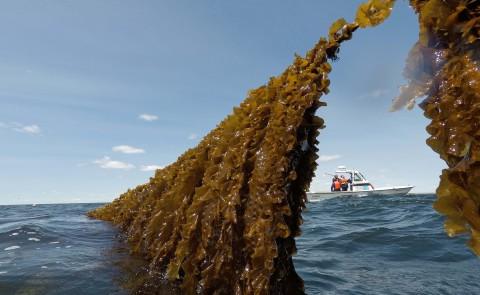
column 334, row 180
column 332, row 187
column 336, row 184
column 344, row 183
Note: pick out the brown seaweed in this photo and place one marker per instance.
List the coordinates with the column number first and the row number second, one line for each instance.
column 444, row 67
column 222, row 219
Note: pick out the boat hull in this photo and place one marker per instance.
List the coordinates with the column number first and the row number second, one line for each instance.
column 399, row 191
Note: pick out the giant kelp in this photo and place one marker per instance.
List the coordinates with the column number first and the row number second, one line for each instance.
column 443, row 66
column 222, row 218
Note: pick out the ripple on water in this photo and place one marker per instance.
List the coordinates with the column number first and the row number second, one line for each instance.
column 11, row 248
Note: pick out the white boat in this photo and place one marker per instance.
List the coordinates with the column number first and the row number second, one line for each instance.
column 359, row 187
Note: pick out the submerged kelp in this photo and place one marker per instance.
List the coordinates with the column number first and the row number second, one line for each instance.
column 222, row 218
column 444, row 66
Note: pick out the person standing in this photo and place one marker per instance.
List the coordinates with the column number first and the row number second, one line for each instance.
column 337, row 184
column 344, row 183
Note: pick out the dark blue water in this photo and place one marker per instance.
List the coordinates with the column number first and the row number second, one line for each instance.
column 56, row 249
column 382, row 245
column 371, row 245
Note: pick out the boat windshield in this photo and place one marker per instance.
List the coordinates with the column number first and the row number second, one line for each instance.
column 359, row 177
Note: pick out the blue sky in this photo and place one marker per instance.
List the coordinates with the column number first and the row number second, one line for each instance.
column 95, row 94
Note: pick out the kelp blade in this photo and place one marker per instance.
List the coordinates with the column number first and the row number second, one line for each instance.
column 444, row 67
column 222, row 219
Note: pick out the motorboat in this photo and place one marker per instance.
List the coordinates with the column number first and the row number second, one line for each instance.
column 358, row 186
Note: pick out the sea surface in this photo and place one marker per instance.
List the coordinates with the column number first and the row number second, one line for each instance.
column 370, row 245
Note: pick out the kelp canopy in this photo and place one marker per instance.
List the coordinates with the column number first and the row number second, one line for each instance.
column 222, row 218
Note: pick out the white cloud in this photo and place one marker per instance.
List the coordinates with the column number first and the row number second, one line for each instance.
column 107, row 163
column 193, row 136
column 3, row 125
column 327, row 158
column 30, row 129
column 126, row 149
column 150, row 167
column 148, row 117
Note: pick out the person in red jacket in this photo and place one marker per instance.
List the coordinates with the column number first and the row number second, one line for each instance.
column 337, row 184
column 334, row 179
column 344, row 183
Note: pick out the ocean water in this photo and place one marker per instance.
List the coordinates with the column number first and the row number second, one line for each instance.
column 371, row 245
column 56, row 249
column 383, row 245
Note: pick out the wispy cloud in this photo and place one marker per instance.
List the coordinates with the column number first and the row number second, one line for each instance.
column 107, row 163
column 193, row 136
column 150, row 167
column 18, row 127
column 30, row 129
column 376, row 93
column 327, row 158
column 148, row 117
column 126, row 149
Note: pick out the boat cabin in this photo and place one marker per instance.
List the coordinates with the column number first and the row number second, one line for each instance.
column 358, row 181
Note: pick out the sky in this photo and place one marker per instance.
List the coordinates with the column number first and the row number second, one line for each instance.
column 95, row 95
